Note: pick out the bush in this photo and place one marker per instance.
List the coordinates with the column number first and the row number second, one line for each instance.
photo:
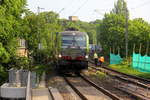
column 101, row 75
column 20, row 62
column 127, row 61
column 3, row 74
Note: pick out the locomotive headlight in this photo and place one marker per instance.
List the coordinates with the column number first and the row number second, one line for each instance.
column 86, row 56
column 59, row 56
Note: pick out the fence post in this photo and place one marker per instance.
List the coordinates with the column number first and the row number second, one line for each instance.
column 28, row 88
column 118, row 50
column 139, row 55
column 134, row 48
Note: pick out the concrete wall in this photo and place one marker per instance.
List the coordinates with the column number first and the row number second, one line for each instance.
column 12, row 92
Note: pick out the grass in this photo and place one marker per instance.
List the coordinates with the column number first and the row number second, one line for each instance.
column 98, row 74
column 129, row 70
column 101, row 75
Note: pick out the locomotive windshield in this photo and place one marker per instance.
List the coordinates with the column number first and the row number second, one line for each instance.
column 74, row 40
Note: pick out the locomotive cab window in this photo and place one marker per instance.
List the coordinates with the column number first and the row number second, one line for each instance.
column 74, row 40
column 67, row 40
column 80, row 40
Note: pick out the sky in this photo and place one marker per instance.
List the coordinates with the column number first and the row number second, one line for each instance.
column 90, row 10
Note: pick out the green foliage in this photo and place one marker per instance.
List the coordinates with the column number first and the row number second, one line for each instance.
column 98, row 74
column 139, row 31
column 90, row 28
column 43, row 29
column 10, row 12
column 101, row 75
column 111, row 31
column 4, row 55
column 120, row 8
column 40, row 69
column 20, row 62
column 10, row 18
column 3, row 74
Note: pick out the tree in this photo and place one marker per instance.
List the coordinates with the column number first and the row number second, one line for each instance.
column 42, row 29
column 10, row 17
column 139, row 32
column 4, row 55
column 120, row 8
column 111, row 31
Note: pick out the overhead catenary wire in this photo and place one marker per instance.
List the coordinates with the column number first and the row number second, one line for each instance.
column 80, row 7
column 97, row 11
column 66, row 6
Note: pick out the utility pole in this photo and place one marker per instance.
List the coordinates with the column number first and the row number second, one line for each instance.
column 38, row 10
column 39, row 35
column 102, row 14
column 126, row 33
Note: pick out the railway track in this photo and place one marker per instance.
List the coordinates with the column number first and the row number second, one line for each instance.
column 107, row 95
column 75, row 89
column 132, row 85
column 142, row 80
column 139, row 79
column 123, row 77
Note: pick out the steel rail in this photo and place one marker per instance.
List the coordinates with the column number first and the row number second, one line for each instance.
column 75, row 89
column 126, row 80
column 135, row 95
column 132, row 76
column 134, row 82
column 53, row 98
column 106, row 92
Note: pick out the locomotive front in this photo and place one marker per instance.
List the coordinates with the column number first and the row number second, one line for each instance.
column 74, row 51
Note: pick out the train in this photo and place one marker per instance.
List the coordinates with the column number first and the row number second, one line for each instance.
column 73, row 56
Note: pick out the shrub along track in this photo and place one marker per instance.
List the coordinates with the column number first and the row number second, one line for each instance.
column 135, row 86
column 88, row 90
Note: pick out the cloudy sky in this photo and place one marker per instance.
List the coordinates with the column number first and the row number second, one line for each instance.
column 89, row 10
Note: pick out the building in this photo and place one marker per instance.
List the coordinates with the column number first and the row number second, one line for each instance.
column 73, row 18
column 22, row 49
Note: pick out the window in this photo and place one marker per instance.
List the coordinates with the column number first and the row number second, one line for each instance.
column 22, row 43
column 71, row 40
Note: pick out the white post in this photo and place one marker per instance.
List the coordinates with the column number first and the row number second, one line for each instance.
column 18, row 81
